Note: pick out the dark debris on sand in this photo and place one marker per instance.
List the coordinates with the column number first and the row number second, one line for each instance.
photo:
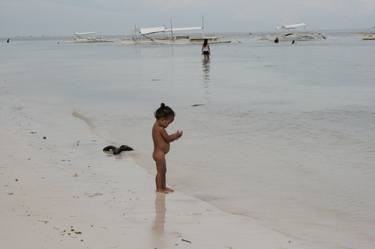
column 196, row 105
column 115, row 151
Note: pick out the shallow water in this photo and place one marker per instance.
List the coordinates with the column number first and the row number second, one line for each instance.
column 284, row 135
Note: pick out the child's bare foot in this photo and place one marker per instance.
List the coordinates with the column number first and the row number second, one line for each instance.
column 169, row 189
column 163, row 191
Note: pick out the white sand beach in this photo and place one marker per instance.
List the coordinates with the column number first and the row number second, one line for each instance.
column 277, row 152
column 59, row 190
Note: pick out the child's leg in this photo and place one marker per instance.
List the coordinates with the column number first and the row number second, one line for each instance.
column 160, row 175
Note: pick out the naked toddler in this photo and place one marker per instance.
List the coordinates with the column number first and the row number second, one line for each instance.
column 164, row 116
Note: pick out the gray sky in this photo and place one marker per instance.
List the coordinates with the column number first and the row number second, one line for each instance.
column 64, row 17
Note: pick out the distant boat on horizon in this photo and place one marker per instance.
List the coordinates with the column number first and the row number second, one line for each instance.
column 286, row 34
column 369, row 37
column 88, row 37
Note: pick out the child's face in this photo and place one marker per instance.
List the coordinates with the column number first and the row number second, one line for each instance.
column 164, row 122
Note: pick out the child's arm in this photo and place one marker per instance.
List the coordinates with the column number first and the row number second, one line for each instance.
column 172, row 137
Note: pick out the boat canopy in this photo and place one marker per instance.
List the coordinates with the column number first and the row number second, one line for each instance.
column 85, row 33
column 147, row 31
column 292, row 26
column 152, row 30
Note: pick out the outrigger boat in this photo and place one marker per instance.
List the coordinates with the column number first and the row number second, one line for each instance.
column 162, row 35
column 287, row 34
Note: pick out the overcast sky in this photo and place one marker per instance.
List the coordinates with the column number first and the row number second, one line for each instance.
column 64, row 17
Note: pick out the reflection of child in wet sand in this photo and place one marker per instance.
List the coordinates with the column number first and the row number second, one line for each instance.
column 164, row 116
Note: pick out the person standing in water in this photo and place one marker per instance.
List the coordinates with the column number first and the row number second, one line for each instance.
column 164, row 116
column 206, row 49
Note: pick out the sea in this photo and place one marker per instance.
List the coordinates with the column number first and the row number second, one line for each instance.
column 280, row 134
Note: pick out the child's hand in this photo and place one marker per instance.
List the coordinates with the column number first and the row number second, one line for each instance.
column 179, row 133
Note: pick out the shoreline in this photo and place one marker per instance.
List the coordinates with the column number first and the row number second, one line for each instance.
column 60, row 190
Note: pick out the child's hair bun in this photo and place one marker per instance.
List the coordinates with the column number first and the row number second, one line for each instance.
column 164, row 111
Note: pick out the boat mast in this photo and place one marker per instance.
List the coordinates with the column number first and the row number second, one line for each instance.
column 172, row 38
column 134, row 32
column 203, row 25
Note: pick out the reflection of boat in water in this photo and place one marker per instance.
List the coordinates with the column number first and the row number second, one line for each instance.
column 302, row 36
column 286, row 34
column 163, row 35
column 88, row 37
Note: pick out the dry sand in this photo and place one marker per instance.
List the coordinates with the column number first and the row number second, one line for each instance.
column 59, row 190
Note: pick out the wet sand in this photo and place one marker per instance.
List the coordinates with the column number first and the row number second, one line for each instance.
column 59, row 190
